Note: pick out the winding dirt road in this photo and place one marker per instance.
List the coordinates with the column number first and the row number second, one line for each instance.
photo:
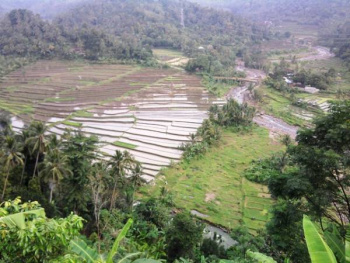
column 242, row 94
column 319, row 53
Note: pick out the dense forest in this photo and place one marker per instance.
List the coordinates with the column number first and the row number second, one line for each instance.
column 212, row 36
column 311, row 12
column 127, row 30
column 25, row 34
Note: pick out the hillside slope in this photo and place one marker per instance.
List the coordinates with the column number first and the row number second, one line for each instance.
column 24, row 34
column 315, row 12
column 164, row 23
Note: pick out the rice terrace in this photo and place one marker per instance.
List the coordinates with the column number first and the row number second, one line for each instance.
column 177, row 131
column 149, row 112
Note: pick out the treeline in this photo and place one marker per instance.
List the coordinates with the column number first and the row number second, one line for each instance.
column 300, row 77
column 232, row 115
column 24, row 34
column 309, row 12
column 213, row 38
column 128, row 30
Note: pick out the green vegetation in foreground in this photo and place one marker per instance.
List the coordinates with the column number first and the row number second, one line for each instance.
column 71, row 123
column 214, row 185
column 124, row 145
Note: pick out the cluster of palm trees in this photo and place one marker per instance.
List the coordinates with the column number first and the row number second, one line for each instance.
column 34, row 155
column 232, row 114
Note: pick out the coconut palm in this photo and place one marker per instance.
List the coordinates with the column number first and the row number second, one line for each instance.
column 22, row 137
column 54, row 169
column 54, row 142
column 136, row 181
column 37, row 141
column 11, row 156
column 121, row 163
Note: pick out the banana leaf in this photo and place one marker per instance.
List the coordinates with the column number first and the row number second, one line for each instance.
column 319, row 251
column 335, row 242
column 347, row 245
column 121, row 235
column 80, row 248
column 259, row 257
column 18, row 219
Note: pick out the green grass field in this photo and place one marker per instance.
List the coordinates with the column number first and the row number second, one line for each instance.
column 73, row 124
column 167, row 53
column 279, row 105
column 214, row 185
column 125, row 145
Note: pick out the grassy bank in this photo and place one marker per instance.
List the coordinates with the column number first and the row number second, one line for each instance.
column 214, row 186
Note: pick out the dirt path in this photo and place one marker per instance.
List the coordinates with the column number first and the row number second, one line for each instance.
column 275, row 125
column 318, row 53
column 239, row 94
column 242, row 94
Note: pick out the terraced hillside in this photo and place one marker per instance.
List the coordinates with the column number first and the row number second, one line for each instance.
column 149, row 112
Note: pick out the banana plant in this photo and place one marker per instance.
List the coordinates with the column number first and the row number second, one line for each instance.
column 318, row 249
column 90, row 255
column 18, row 219
column 259, row 257
column 330, row 249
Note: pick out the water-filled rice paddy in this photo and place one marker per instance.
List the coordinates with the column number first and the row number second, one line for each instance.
column 149, row 112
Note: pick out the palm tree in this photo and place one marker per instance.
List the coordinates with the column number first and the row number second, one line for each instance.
column 136, row 181
column 22, row 137
column 37, row 140
column 54, row 169
column 121, row 163
column 11, row 156
column 54, row 142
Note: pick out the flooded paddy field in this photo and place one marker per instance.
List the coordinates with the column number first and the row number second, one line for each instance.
column 149, row 112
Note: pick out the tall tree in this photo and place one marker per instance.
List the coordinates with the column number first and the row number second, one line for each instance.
column 99, row 183
column 315, row 181
column 54, row 169
column 136, row 181
column 37, row 141
column 23, row 137
column 183, row 236
column 121, row 163
column 11, row 156
column 81, row 151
